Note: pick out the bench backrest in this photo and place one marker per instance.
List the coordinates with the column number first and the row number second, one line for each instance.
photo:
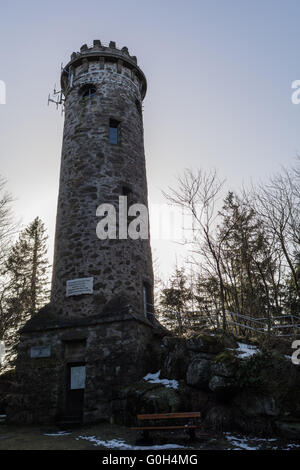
column 193, row 414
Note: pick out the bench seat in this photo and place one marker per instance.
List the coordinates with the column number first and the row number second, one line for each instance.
column 149, row 428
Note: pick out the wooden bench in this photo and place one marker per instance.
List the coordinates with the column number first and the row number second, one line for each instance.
column 190, row 426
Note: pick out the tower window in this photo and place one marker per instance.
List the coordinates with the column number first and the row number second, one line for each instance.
column 147, row 299
column 114, row 131
column 87, row 91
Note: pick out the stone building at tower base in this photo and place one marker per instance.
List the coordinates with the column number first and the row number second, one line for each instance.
column 115, row 349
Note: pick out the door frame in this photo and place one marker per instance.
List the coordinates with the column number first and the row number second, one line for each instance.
column 69, row 365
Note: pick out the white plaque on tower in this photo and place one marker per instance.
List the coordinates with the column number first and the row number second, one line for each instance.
column 40, row 351
column 80, row 286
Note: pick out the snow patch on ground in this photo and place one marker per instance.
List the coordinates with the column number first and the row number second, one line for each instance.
column 239, row 443
column 154, row 379
column 255, row 443
column 246, row 350
column 292, row 446
column 235, row 441
column 121, row 445
column 59, row 433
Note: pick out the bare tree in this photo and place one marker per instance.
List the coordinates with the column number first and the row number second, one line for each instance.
column 278, row 205
column 7, row 226
column 198, row 193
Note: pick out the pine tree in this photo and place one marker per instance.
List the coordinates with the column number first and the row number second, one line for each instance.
column 174, row 301
column 26, row 271
column 27, row 267
column 38, row 264
column 250, row 262
column 207, row 299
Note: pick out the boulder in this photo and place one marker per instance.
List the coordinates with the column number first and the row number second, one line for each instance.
column 209, row 343
column 271, row 375
column 253, row 404
column 221, row 418
column 193, row 399
column 175, row 358
column 225, row 364
column 222, row 369
column 198, row 373
column 144, row 397
column 289, row 429
column 220, row 384
column 225, row 418
column 205, row 343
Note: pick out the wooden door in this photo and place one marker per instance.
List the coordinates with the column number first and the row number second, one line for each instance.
column 75, row 390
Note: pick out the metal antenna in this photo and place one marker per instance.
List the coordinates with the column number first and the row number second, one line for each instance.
column 56, row 98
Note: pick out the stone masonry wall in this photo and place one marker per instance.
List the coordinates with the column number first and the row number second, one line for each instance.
column 116, row 355
column 93, row 171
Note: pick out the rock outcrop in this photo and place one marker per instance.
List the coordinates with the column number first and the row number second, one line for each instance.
column 236, row 386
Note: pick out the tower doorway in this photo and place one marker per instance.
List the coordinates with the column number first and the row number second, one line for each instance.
column 76, row 374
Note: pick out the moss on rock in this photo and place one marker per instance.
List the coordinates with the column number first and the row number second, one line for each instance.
column 211, row 343
column 226, row 364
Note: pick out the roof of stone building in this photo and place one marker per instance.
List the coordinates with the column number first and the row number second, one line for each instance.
column 48, row 319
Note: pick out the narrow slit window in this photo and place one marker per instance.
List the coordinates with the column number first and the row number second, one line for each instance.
column 148, row 301
column 113, row 131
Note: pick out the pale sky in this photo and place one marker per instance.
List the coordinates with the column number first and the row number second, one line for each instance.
column 219, row 90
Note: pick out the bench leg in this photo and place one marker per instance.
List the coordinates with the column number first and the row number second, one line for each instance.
column 192, row 434
column 145, row 435
column 145, row 439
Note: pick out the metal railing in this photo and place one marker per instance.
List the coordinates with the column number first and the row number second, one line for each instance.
column 286, row 325
column 280, row 326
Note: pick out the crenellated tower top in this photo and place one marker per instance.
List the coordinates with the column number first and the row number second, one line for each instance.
column 103, row 54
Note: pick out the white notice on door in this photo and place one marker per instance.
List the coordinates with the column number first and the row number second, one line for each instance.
column 80, row 286
column 77, row 377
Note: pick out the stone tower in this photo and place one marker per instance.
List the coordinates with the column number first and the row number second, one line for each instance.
column 78, row 355
column 102, row 159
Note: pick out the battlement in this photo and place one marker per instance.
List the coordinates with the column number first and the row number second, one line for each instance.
column 103, row 53
column 98, row 46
